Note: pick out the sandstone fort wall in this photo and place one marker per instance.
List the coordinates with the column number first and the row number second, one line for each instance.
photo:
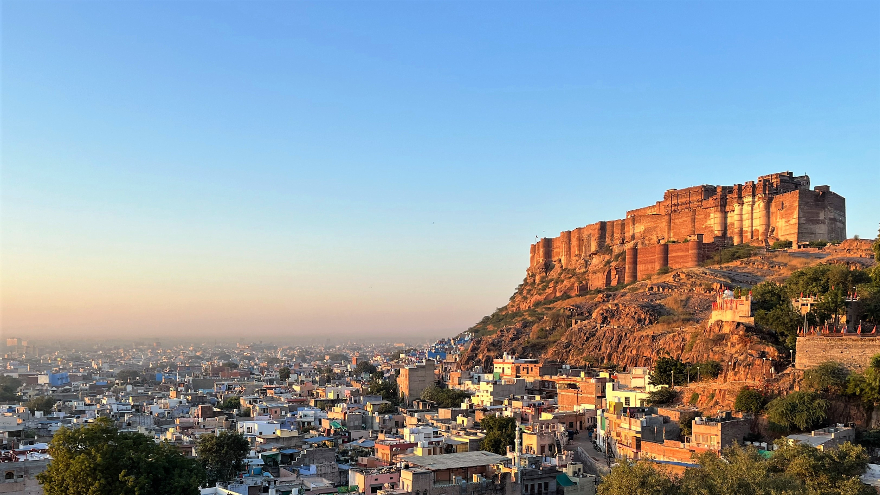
column 775, row 207
column 852, row 351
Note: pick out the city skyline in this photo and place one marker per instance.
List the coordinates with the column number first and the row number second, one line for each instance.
column 376, row 169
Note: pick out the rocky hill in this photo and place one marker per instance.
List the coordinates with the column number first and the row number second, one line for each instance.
column 547, row 318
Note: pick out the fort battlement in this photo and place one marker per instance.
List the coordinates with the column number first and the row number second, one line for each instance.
column 775, row 207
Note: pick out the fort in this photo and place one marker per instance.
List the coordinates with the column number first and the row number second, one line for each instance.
column 688, row 225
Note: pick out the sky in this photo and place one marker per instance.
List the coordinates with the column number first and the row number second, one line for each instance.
column 296, row 169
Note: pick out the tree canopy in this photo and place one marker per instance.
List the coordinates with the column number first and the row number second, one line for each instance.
column 667, row 367
column 444, row 397
column 98, row 459
column 284, row 373
column 222, row 455
column 9, row 388
column 387, row 389
column 799, row 411
column 662, row 396
column 792, row 470
column 500, row 433
column 828, row 377
column 43, row 403
column 749, row 400
column 830, row 282
column 230, row 403
column 365, row 367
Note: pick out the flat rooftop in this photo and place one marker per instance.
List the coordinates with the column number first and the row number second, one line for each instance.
column 454, row 461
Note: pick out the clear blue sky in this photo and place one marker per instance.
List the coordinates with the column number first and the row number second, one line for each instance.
column 329, row 168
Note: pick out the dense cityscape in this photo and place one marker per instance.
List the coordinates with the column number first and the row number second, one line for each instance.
column 395, row 419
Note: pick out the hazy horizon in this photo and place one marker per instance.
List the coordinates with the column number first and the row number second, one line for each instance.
column 309, row 170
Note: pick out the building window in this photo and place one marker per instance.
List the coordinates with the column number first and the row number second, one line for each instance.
column 626, row 401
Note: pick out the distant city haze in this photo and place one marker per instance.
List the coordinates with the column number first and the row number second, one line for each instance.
column 289, row 170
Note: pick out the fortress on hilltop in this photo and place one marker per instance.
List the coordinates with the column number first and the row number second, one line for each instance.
column 690, row 224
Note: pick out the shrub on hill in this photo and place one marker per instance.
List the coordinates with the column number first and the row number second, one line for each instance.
column 662, row 397
column 829, row 377
column 749, row 400
column 781, row 245
column 732, row 253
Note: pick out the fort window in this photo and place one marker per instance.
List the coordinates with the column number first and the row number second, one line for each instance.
column 10, row 475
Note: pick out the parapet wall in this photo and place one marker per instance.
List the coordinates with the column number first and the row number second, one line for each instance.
column 853, row 351
column 775, row 207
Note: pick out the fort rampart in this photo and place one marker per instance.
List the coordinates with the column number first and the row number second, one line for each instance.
column 851, row 350
column 775, row 207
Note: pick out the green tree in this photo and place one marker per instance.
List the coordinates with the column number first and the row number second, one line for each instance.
column 665, row 368
column 686, row 424
column 99, row 459
column 876, row 247
column 386, row 409
column 387, row 389
column 832, row 472
column 830, row 306
column 706, row 370
column 500, row 433
column 43, row 403
column 231, row 365
column 365, row 367
column 738, row 471
column 444, row 397
column 222, row 455
column 797, row 411
column 640, row 478
column 792, row 470
column 829, row 377
column 768, row 295
column 230, row 403
column 284, row 373
column 662, row 396
column 9, row 388
column 866, row 385
column 783, row 320
column 749, row 400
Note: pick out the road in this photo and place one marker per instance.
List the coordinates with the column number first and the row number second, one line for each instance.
column 594, row 461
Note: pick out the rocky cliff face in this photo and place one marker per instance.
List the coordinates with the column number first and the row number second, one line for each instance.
column 551, row 317
column 633, row 327
column 549, row 320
